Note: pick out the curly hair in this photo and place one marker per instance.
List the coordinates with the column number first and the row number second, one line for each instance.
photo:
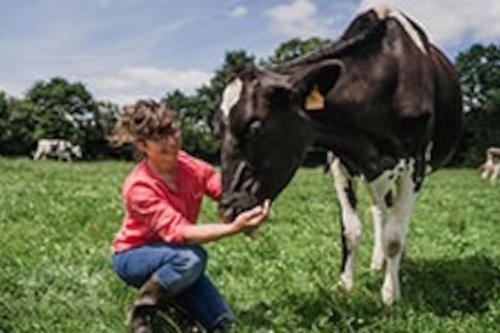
column 145, row 120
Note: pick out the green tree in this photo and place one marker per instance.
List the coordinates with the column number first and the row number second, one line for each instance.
column 63, row 109
column 4, row 120
column 97, row 128
column 479, row 70
column 4, row 103
column 295, row 48
column 22, row 119
column 190, row 112
column 56, row 109
column 196, row 112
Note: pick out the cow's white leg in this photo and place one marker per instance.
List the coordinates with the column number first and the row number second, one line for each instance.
column 379, row 217
column 378, row 189
column 496, row 173
column 394, row 235
column 37, row 155
column 485, row 173
column 351, row 226
column 488, row 170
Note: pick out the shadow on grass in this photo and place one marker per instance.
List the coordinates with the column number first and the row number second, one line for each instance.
column 324, row 311
column 444, row 287
column 450, row 287
column 301, row 312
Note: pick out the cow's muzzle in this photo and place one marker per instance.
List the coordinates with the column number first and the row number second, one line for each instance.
column 230, row 206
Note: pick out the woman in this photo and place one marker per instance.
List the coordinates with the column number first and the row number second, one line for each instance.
column 158, row 246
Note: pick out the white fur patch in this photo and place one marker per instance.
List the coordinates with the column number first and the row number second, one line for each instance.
column 351, row 222
column 428, row 152
column 428, row 157
column 384, row 12
column 231, row 96
column 350, row 218
column 386, row 181
column 379, row 219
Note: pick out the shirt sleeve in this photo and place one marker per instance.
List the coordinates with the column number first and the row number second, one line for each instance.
column 212, row 182
column 144, row 204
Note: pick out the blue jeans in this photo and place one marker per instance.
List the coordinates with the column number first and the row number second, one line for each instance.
column 180, row 270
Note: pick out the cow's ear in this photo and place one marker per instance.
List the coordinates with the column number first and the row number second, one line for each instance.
column 315, row 81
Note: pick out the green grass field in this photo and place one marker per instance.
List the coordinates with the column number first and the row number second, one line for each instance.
column 57, row 222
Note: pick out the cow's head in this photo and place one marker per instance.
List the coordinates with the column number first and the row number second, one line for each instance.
column 263, row 126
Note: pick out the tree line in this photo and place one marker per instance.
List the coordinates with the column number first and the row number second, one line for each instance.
column 57, row 108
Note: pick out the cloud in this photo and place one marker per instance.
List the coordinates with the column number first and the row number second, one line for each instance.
column 297, row 19
column 449, row 22
column 129, row 84
column 238, row 12
column 154, row 77
column 126, row 99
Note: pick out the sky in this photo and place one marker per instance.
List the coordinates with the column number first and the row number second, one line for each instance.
column 123, row 50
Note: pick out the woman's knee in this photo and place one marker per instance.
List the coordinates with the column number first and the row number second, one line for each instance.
column 197, row 261
column 189, row 263
column 182, row 269
column 201, row 253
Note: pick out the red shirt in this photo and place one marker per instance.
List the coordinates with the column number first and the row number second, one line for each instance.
column 156, row 213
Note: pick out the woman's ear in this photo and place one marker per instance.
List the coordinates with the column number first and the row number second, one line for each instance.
column 141, row 145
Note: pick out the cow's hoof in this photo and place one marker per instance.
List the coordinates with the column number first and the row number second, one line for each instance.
column 377, row 267
column 389, row 295
column 346, row 283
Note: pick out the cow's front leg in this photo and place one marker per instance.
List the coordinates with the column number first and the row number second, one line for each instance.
column 380, row 191
column 350, row 223
column 495, row 173
column 394, row 235
column 486, row 171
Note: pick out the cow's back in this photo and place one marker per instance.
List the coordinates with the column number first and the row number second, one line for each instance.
column 448, row 109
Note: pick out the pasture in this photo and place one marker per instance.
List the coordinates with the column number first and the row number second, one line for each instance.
column 57, row 221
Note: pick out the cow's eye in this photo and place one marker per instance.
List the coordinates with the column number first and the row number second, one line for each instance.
column 254, row 128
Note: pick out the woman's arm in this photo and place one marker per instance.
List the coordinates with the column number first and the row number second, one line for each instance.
column 199, row 234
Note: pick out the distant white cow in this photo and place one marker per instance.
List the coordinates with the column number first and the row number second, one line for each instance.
column 491, row 168
column 58, row 148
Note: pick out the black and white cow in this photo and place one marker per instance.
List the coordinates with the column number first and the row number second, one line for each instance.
column 383, row 98
column 57, row 148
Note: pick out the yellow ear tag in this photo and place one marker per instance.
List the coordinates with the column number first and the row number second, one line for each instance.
column 315, row 101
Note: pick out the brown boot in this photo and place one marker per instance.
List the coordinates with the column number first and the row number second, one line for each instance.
column 151, row 296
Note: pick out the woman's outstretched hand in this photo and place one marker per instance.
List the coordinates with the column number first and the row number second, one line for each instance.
column 249, row 221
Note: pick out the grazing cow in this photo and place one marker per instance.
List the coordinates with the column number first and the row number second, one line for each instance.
column 58, row 148
column 491, row 168
column 383, row 98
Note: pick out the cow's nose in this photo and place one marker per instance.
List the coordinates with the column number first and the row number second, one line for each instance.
column 225, row 211
column 226, row 201
column 226, row 215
